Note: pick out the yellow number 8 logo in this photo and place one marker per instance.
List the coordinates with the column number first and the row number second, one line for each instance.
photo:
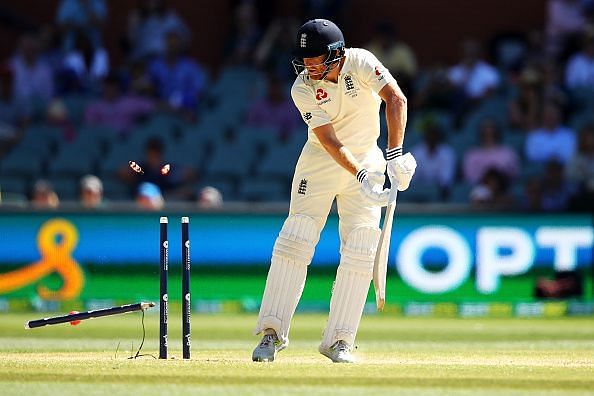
column 56, row 241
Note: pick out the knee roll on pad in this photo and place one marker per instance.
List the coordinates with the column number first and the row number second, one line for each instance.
column 297, row 239
column 358, row 252
column 291, row 255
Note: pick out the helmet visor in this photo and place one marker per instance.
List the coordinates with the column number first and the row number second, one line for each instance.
column 311, row 70
column 317, row 71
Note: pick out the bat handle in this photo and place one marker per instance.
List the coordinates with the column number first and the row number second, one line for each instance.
column 393, row 191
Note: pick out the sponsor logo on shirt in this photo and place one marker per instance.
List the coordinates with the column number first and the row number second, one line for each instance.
column 380, row 73
column 307, row 116
column 322, row 96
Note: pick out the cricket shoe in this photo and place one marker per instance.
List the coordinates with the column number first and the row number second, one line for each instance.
column 340, row 352
column 266, row 350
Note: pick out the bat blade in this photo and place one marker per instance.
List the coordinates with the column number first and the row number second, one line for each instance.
column 88, row 315
column 380, row 265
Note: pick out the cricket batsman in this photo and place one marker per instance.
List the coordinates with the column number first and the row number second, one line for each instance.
column 338, row 92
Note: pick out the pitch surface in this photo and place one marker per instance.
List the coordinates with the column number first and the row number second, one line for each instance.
column 403, row 356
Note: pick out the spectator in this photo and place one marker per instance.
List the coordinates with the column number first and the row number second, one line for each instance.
column 43, row 195
column 179, row 80
column 580, row 67
column 552, row 140
column 274, row 110
column 525, row 111
column 58, row 116
column 580, row 168
column 85, row 65
column 148, row 26
column 152, row 163
column 535, row 53
column 209, row 197
column 245, row 34
column 116, row 110
column 139, row 82
column 553, row 89
column 31, row 77
column 565, row 19
column 276, row 46
column 9, row 132
column 81, row 17
column 50, row 49
column 327, row 9
column 491, row 154
column 435, row 92
column 91, row 192
column 394, row 54
column 493, row 191
column 437, row 160
column 472, row 74
column 531, row 200
column 557, row 192
column 172, row 185
column 149, row 197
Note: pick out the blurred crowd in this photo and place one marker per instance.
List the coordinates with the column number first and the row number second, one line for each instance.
column 510, row 125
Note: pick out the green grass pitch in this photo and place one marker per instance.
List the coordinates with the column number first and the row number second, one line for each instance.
column 398, row 356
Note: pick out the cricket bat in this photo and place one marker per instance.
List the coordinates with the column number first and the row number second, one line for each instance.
column 380, row 265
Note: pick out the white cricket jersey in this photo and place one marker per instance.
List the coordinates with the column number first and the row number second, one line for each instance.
column 351, row 105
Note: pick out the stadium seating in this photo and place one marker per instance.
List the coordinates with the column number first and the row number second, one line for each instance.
column 74, row 159
column 460, row 193
column 279, row 162
column 530, row 170
column 115, row 190
column 225, row 186
column 14, row 185
column 264, row 189
column 421, row 193
column 187, row 152
column 582, row 119
column 96, row 137
column 67, row 188
column 242, row 161
column 118, row 157
column 40, row 140
column 231, row 159
column 76, row 105
column 16, row 164
column 516, row 140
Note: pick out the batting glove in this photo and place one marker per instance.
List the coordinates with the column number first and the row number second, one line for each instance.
column 401, row 168
column 372, row 187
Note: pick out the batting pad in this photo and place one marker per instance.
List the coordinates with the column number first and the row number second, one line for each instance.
column 291, row 255
column 351, row 285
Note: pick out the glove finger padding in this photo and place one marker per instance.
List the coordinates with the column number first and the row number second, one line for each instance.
column 374, row 194
column 372, row 187
column 401, row 171
column 375, row 197
column 409, row 162
column 376, row 178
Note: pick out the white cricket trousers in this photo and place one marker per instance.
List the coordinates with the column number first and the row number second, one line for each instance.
column 322, row 179
column 318, row 180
